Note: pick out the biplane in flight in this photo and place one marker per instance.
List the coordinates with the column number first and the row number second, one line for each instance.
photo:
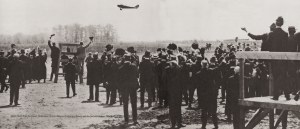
column 127, row 7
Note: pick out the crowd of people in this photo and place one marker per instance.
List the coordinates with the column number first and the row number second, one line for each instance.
column 170, row 76
column 21, row 67
column 34, row 64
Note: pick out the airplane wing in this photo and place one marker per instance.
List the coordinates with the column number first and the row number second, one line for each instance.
column 127, row 7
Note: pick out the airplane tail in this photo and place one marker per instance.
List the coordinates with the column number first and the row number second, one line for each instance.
column 137, row 6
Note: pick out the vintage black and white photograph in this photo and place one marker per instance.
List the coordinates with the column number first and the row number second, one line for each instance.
column 149, row 64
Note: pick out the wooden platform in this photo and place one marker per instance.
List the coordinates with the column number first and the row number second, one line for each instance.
column 267, row 102
column 265, row 105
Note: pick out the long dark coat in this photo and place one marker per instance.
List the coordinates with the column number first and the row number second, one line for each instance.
column 160, row 70
column 278, row 40
column 107, row 68
column 94, row 72
column 26, row 64
column 70, row 72
column 16, row 71
column 207, row 79
column 3, row 66
column 128, row 76
column 40, row 67
column 232, row 95
column 147, row 73
column 173, row 82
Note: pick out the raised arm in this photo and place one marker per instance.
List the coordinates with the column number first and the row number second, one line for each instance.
column 49, row 41
column 88, row 45
column 257, row 37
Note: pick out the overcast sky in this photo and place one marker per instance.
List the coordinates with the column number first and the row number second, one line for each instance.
column 154, row 20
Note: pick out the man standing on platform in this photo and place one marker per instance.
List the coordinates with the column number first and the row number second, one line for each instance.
column 263, row 37
column 81, row 53
column 292, row 46
column 278, row 41
column 54, row 56
column 297, row 39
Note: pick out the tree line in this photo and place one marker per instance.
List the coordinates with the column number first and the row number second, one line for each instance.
column 73, row 33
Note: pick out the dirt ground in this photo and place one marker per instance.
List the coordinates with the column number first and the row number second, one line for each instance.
column 45, row 106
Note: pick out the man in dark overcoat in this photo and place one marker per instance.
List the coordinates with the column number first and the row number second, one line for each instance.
column 70, row 77
column 146, row 71
column 94, row 76
column 41, row 70
column 15, row 78
column 207, row 77
column 25, row 61
column 109, row 80
column 129, row 86
column 172, row 75
column 162, row 88
column 278, row 41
